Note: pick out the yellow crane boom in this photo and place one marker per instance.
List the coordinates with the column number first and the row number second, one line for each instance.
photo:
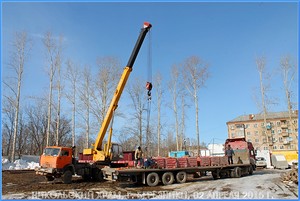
column 103, row 154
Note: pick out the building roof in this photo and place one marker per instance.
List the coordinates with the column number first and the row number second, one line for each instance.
column 270, row 115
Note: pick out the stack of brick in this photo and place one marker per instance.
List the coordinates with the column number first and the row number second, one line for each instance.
column 223, row 160
column 215, row 161
column 182, row 162
column 192, row 161
column 171, row 163
column 204, row 161
column 161, row 162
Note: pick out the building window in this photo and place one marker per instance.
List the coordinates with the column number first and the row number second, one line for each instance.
column 280, row 139
column 279, row 131
column 232, row 127
column 272, row 131
column 295, row 121
column 255, row 125
column 289, row 130
column 232, row 135
column 248, row 133
column 274, row 147
column 256, row 132
column 249, row 140
column 278, row 123
column 256, row 140
column 296, row 130
column 281, row 147
column 264, row 140
column 266, row 148
column 247, row 125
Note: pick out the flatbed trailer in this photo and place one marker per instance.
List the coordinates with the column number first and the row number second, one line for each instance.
column 170, row 170
column 167, row 176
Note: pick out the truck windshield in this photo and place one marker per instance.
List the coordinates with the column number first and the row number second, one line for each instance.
column 51, row 151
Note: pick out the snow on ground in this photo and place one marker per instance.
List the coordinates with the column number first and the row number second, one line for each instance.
column 25, row 163
column 261, row 185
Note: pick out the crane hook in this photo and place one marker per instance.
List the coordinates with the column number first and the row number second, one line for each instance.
column 149, row 88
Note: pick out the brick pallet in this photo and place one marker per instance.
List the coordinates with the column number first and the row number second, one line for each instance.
column 171, row 162
column 215, row 161
column 192, row 161
column 223, row 160
column 204, row 161
column 160, row 162
column 182, row 162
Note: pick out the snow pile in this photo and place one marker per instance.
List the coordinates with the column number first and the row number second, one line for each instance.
column 26, row 163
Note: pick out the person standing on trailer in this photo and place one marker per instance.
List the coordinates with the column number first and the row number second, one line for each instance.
column 138, row 156
column 229, row 152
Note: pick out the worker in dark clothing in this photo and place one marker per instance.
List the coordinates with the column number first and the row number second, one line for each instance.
column 229, row 152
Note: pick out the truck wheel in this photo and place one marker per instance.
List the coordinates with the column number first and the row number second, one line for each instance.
column 237, row 172
column 67, row 177
column 86, row 177
column 250, row 170
column 181, row 177
column 215, row 175
column 168, row 178
column 49, row 178
column 98, row 176
column 152, row 179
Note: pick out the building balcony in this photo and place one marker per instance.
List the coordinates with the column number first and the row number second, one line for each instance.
column 283, row 126
column 286, row 142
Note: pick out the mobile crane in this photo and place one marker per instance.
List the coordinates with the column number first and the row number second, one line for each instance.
column 56, row 162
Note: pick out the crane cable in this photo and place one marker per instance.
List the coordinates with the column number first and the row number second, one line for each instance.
column 149, row 88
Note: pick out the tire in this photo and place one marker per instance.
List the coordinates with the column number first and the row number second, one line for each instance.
column 168, row 178
column 67, row 177
column 237, row 172
column 86, row 177
column 181, row 177
column 49, row 178
column 97, row 176
column 215, row 175
column 152, row 179
column 250, row 170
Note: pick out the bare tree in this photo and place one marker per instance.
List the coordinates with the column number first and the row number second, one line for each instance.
column 37, row 124
column 58, row 64
column 51, row 52
column 104, row 86
column 72, row 75
column 288, row 72
column 174, row 89
column 136, row 92
column 159, row 95
column 85, row 97
column 261, row 66
column 8, row 116
column 22, row 47
column 195, row 73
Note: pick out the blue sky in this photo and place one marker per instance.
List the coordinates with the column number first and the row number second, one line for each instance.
column 228, row 36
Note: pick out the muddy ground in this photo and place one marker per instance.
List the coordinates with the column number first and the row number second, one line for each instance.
column 263, row 184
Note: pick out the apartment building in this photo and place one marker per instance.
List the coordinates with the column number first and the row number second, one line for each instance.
column 277, row 132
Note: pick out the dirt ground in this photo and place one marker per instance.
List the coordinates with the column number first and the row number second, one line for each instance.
column 263, row 184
